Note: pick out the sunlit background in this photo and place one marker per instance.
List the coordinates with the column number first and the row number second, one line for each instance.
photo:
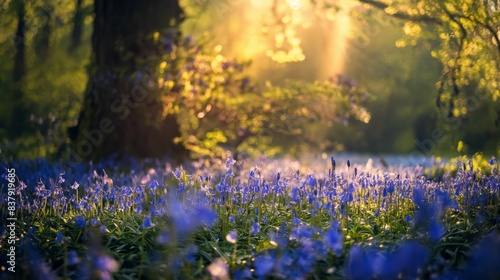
column 344, row 42
column 278, row 35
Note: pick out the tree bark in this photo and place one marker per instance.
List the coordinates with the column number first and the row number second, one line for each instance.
column 78, row 23
column 122, row 109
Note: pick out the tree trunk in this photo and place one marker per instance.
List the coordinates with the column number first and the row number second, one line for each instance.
column 78, row 23
column 122, row 111
column 20, row 113
column 42, row 38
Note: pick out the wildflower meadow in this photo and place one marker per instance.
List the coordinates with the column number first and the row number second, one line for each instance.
column 261, row 219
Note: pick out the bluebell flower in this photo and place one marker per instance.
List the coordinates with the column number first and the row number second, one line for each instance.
column 80, row 221
column 310, row 198
column 255, row 229
column 147, row 222
column 188, row 218
column 390, row 188
column 242, row 274
column 302, row 231
column 153, row 185
column 295, row 194
column 408, row 218
column 59, row 237
column 484, row 259
column 264, row 265
column 318, row 204
column 232, row 219
column 359, row 264
column 333, row 240
column 492, row 161
column 190, row 253
column 229, row 162
column 436, row 231
column 177, row 173
column 103, row 229
column 104, row 265
column 163, row 237
column 406, row 262
column 296, row 175
column 232, row 237
column 95, row 221
column 60, row 179
column 72, row 257
column 138, row 209
column 311, row 181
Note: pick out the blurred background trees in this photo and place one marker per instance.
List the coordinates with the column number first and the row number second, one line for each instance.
column 250, row 77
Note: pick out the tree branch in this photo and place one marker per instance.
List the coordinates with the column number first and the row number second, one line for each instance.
column 401, row 15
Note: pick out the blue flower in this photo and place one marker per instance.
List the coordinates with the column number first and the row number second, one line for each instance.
column 153, row 185
column 72, row 257
column 242, row 274
column 359, row 264
column 103, row 229
column 295, row 194
column 59, row 237
column 333, row 240
column 147, row 222
column 177, row 173
column 190, row 253
column 436, row 231
column 80, row 221
column 163, row 237
column 263, row 265
column 95, row 221
column 105, row 264
column 255, row 229
column 60, row 179
column 405, row 262
column 484, row 259
column 232, row 237
column 493, row 161
column 230, row 161
column 408, row 218
column 390, row 189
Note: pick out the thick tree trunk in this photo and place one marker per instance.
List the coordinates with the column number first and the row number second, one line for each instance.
column 20, row 114
column 121, row 113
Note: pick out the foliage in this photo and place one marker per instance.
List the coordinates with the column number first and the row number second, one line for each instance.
column 250, row 222
column 470, row 46
column 478, row 163
column 220, row 108
column 54, row 80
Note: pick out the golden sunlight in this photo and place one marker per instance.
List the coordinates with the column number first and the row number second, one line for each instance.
column 282, row 34
column 337, row 33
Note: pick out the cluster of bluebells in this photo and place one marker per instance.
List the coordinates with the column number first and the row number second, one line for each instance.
column 280, row 222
